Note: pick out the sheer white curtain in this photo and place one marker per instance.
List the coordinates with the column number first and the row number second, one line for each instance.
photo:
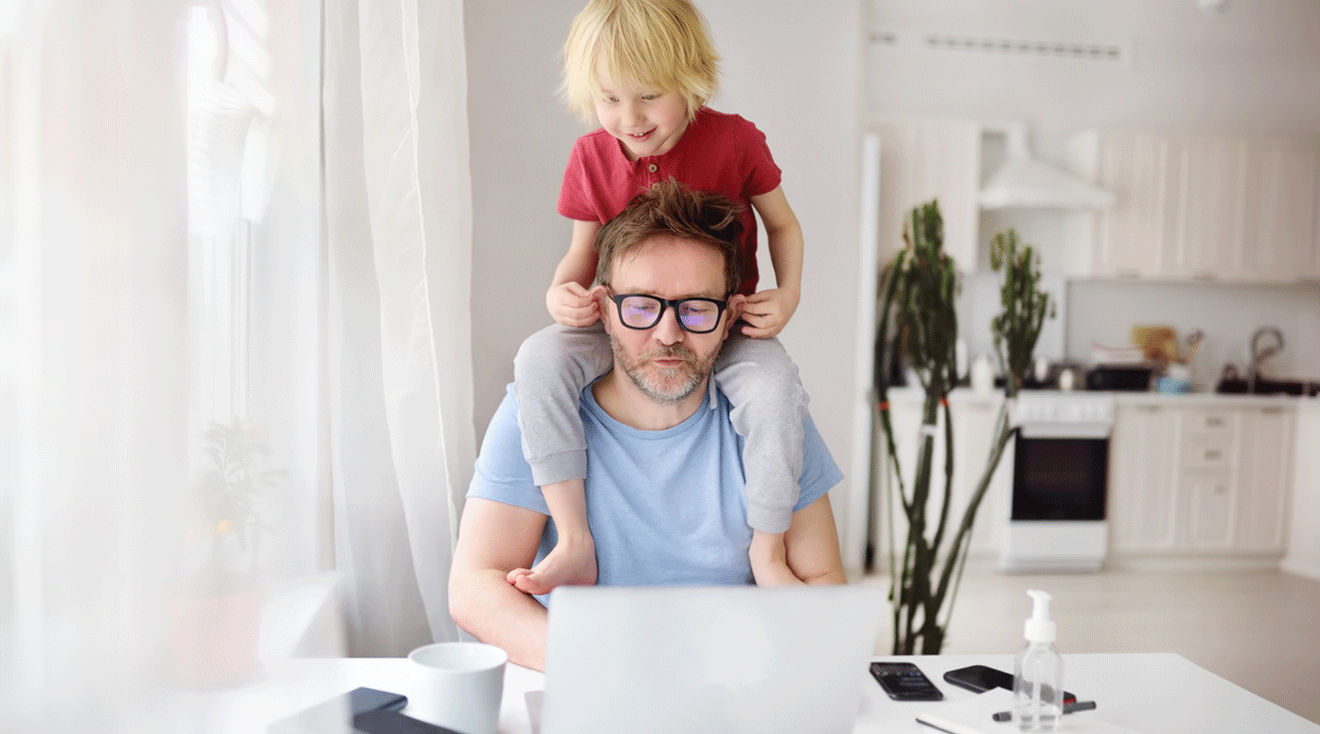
column 398, row 219
column 93, row 356
column 95, row 386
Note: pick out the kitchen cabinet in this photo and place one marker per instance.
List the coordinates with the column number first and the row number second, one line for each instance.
column 1203, row 207
column 1264, row 478
column 1141, row 476
column 921, row 160
column 1207, row 511
column 1303, row 557
column 1190, row 480
column 973, row 430
column 1132, row 237
column 1212, row 186
column 1208, row 441
column 1280, row 211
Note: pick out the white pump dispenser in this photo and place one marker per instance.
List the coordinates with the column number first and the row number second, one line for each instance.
column 1038, row 672
column 1039, row 627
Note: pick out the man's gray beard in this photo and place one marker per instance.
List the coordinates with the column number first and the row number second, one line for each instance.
column 697, row 373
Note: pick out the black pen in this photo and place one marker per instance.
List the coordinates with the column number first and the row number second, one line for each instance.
column 1068, row 708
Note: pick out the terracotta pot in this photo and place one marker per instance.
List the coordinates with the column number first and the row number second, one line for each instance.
column 214, row 631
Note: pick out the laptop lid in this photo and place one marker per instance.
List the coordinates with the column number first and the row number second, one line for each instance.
column 708, row 659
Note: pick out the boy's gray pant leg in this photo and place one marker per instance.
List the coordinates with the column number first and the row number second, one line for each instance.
column 549, row 373
column 769, row 406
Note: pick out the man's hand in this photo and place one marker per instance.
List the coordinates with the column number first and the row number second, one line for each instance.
column 572, row 305
column 768, row 312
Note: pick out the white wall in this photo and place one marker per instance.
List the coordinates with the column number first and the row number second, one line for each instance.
column 791, row 66
column 520, row 137
column 1105, row 311
column 1252, row 69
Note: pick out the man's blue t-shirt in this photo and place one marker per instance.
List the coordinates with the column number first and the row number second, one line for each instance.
column 664, row 507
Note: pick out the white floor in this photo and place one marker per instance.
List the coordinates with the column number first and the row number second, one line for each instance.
column 1260, row 630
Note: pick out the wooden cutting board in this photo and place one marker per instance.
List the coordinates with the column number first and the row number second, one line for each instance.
column 1157, row 343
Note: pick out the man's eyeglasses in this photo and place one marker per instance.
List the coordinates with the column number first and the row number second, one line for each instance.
column 696, row 315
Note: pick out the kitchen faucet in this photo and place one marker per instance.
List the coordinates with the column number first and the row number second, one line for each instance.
column 1262, row 350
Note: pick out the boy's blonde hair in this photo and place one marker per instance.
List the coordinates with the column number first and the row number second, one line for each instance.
column 659, row 42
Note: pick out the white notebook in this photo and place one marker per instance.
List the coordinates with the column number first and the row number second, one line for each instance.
column 973, row 716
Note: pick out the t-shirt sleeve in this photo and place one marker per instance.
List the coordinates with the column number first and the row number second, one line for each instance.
column 501, row 473
column 762, row 175
column 819, row 472
column 574, row 192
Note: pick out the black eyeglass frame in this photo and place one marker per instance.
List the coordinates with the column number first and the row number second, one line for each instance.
column 665, row 303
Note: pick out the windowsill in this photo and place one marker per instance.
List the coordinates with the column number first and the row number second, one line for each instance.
column 300, row 618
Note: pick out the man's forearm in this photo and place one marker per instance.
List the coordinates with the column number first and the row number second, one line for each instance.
column 489, row 608
column 836, row 576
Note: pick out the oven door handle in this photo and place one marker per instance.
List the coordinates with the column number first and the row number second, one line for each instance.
column 1065, row 430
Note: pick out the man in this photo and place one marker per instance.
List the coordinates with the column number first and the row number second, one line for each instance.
column 664, row 485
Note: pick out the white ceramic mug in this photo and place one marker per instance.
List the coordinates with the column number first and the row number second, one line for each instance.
column 457, row 685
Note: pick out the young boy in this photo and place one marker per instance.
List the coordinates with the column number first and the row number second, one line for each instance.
column 644, row 69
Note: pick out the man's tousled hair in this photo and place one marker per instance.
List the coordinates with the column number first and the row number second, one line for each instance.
column 670, row 209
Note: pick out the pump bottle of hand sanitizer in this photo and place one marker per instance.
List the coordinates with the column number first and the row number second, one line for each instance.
column 1038, row 672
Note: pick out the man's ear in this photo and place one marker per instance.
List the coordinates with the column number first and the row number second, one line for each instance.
column 603, row 304
column 737, row 302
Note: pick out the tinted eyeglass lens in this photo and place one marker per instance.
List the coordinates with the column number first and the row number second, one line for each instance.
column 640, row 312
column 698, row 315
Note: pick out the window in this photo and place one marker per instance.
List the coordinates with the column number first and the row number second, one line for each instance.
column 229, row 106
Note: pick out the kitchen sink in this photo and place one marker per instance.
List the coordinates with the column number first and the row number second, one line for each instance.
column 1268, row 387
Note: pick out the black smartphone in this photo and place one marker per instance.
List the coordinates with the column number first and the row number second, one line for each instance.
column 904, row 681
column 336, row 713
column 982, row 678
column 393, row 722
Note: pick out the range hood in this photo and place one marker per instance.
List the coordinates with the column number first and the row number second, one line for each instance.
column 1025, row 182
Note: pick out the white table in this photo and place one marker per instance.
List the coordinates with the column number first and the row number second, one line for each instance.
column 1154, row 693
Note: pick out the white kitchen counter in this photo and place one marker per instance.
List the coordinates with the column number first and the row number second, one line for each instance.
column 1196, row 399
column 1209, row 399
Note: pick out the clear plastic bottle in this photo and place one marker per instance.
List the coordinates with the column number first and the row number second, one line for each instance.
column 1038, row 672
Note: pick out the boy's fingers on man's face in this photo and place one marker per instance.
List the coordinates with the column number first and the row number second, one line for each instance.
column 755, row 319
column 756, row 333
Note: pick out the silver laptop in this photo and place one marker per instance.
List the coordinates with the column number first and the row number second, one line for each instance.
column 724, row 659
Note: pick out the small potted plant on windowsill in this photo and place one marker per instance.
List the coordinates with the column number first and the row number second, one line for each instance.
column 216, row 613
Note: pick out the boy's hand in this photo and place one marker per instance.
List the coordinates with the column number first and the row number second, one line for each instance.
column 572, row 305
column 768, row 312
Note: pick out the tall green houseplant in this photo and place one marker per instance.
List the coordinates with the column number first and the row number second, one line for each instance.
column 919, row 320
